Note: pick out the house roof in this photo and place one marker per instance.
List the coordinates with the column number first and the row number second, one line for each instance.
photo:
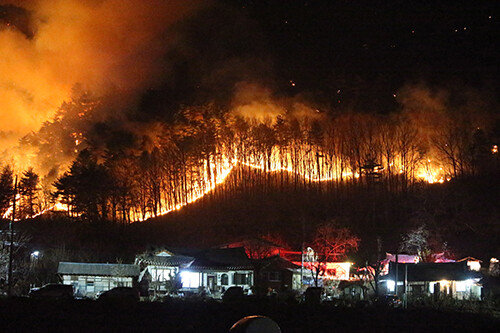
column 276, row 262
column 201, row 259
column 169, row 261
column 469, row 259
column 80, row 268
column 452, row 271
column 222, row 259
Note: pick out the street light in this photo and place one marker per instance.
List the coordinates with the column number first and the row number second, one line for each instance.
column 35, row 255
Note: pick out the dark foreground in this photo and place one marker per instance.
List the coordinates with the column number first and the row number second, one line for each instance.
column 199, row 316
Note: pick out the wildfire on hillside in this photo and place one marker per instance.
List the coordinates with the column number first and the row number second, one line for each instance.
column 69, row 89
column 218, row 171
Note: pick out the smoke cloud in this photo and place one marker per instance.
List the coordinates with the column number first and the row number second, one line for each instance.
column 102, row 44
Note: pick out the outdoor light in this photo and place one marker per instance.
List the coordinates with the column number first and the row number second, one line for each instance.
column 190, row 279
column 391, row 285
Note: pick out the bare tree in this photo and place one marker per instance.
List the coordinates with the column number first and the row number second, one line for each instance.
column 416, row 242
column 330, row 243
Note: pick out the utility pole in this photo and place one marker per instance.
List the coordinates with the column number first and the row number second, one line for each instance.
column 396, row 279
column 405, row 299
column 302, row 255
column 11, row 247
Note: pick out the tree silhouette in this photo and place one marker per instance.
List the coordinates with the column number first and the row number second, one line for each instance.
column 6, row 189
column 28, row 188
column 86, row 187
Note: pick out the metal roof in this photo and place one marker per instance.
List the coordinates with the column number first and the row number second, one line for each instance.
column 452, row 271
column 97, row 269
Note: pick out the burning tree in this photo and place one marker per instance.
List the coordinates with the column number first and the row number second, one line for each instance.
column 330, row 243
column 147, row 169
column 6, row 189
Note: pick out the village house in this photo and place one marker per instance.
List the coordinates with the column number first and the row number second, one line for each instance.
column 453, row 279
column 200, row 271
column 277, row 274
column 90, row 279
column 159, row 269
column 209, row 271
column 215, row 270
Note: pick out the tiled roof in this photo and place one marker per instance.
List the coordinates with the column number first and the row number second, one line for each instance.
column 98, row 269
column 169, row 261
column 222, row 259
column 198, row 259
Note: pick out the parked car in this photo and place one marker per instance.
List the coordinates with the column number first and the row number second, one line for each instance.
column 391, row 301
column 233, row 294
column 120, row 294
column 52, row 290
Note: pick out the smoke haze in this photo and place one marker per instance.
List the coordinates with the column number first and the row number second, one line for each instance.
column 101, row 44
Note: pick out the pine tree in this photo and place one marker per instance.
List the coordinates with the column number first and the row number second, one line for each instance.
column 28, row 188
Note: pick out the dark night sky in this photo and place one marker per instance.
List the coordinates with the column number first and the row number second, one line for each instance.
column 343, row 54
column 371, row 48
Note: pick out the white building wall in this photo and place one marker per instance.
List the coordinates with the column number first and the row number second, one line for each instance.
column 89, row 286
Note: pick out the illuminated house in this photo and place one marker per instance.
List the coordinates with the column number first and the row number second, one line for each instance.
column 211, row 271
column 452, row 279
column 89, row 279
column 159, row 269
column 218, row 269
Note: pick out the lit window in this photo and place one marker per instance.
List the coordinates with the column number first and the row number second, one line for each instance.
column 190, row 279
column 390, row 285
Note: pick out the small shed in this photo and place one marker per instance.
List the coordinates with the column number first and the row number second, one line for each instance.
column 90, row 279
